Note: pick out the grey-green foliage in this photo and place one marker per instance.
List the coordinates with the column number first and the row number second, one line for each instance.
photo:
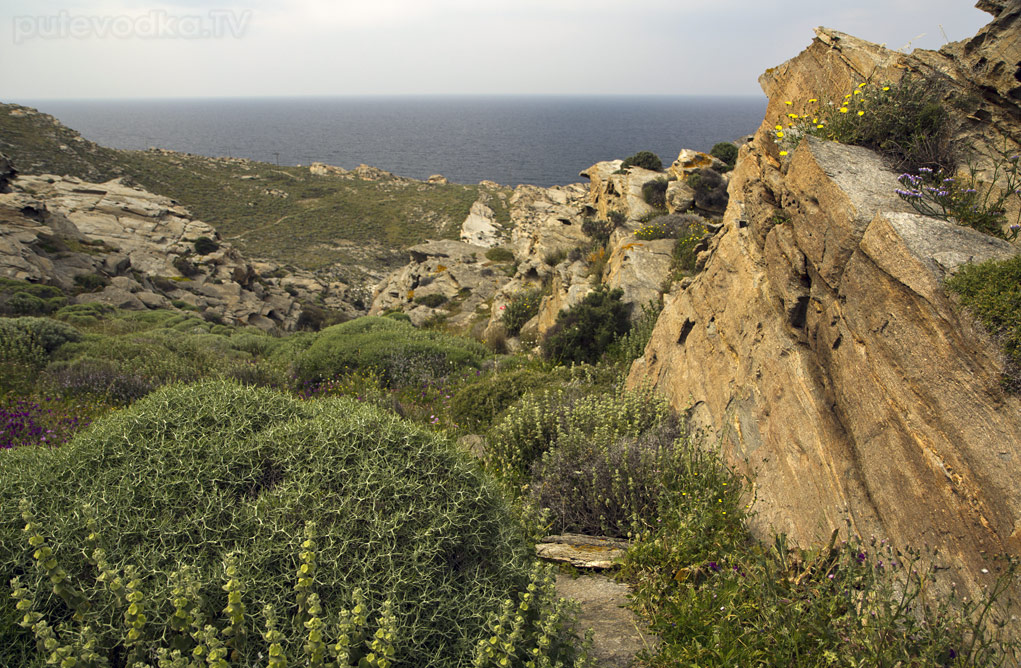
column 402, row 354
column 190, row 474
column 545, row 419
column 31, row 340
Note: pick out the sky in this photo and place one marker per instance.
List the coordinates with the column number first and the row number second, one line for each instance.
column 76, row 49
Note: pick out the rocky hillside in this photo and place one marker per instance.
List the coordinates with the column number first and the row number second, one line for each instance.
column 819, row 343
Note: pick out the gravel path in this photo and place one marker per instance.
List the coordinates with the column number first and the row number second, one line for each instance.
column 618, row 634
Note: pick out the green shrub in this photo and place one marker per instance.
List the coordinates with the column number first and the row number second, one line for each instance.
column 23, row 298
column 187, row 268
column 498, row 254
column 598, row 230
column 991, row 291
column 555, row 257
column 192, row 475
column 665, row 226
column 654, row 193
column 432, row 301
column 522, row 307
column 583, row 332
column 91, row 282
column 478, row 403
column 645, row 160
column 402, row 354
column 604, row 470
column 31, row 341
column 83, row 315
column 631, row 346
column 689, row 237
column 564, row 411
column 725, row 151
column 205, row 246
column 906, row 122
column 710, row 190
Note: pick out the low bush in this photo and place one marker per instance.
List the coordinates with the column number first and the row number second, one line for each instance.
column 90, row 282
column 432, row 301
column 36, row 422
column 598, row 230
column 565, row 411
column 689, row 237
column 555, row 257
column 99, row 378
column 906, row 122
column 631, row 346
column 992, row 292
column 583, row 332
column 604, row 476
column 402, row 354
column 498, row 254
column 710, row 190
column 205, row 246
column 725, row 151
column 23, row 298
column 522, row 307
column 654, row 193
column 645, row 160
column 475, row 405
column 203, row 474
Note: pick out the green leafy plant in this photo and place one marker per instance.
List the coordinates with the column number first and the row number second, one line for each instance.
column 431, row 300
column 91, row 282
column 710, row 190
column 689, row 237
column 497, row 254
column 205, row 246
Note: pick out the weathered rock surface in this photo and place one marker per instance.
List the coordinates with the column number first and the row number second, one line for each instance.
column 480, row 228
column 820, row 344
column 56, row 229
column 582, row 551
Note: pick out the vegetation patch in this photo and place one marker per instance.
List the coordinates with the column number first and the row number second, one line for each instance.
column 643, row 159
column 583, row 332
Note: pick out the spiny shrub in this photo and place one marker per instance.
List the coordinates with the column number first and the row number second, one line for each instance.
column 583, row 332
column 598, row 230
column 402, row 354
column 725, row 151
column 601, row 479
column 689, row 237
column 645, row 160
column 541, row 419
column 991, row 290
column 190, row 475
column 654, row 193
column 522, row 307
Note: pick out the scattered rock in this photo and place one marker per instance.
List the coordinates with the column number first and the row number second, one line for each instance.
column 582, row 551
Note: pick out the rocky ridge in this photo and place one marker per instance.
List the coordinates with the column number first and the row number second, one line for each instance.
column 140, row 250
column 818, row 343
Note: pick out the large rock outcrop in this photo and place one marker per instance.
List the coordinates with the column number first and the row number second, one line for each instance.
column 821, row 347
column 141, row 248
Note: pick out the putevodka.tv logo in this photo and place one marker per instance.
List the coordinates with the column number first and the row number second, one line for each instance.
column 155, row 24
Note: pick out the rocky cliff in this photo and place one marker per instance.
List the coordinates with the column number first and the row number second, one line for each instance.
column 121, row 245
column 819, row 344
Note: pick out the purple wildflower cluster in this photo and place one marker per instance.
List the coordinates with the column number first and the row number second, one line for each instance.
column 26, row 422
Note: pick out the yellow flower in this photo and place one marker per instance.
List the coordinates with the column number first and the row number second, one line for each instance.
column 857, row 92
column 843, row 110
column 815, row 120
column 861, row 113
column 779, row 134
column 792, row 115
column 886, row 88
column 779, row 127
column 813, row 100
column 861, row 85
column 789, row 103
column 847, row 96
column 820, row 126
column 783, row 152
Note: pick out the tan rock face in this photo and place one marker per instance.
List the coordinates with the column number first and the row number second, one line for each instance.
column 820, row 345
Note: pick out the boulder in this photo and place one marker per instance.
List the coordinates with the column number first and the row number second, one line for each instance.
column 480, row 228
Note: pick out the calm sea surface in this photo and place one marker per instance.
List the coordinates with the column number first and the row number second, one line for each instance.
column 510, row 140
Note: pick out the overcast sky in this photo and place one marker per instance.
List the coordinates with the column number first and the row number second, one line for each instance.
column 188, row 48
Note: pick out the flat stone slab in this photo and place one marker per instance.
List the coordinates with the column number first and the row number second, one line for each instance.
column 582, row 551
column 617, row 633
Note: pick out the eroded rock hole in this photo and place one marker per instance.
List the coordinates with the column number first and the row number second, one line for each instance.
column 685, row 330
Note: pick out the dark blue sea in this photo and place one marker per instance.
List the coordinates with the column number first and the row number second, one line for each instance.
column 539, row 140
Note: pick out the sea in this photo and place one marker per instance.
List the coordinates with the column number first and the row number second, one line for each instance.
column 538, row 140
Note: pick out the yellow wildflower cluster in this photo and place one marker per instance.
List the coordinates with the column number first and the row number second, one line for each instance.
column 822, row 119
